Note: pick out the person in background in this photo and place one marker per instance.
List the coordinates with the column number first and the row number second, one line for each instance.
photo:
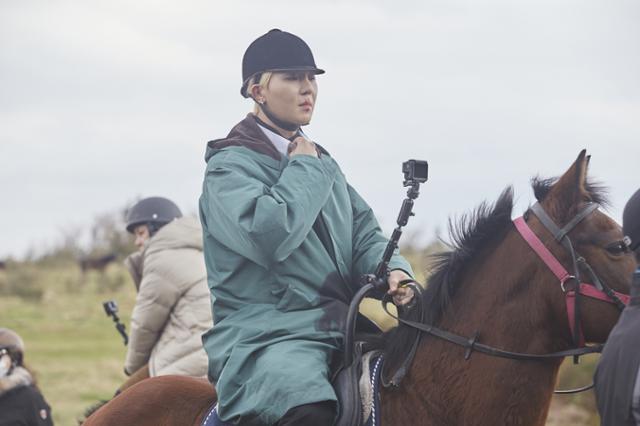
column 172, row 308
column 617, row 377
column 21, row 402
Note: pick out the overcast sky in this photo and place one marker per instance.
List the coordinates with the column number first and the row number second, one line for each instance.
column 105, row 101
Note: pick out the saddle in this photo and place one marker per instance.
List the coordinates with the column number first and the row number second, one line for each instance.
column 351, row 382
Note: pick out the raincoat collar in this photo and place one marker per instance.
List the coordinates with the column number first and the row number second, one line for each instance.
column 249, row 134
column 246, row 134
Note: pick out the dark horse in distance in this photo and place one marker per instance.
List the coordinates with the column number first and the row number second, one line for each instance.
column 96, row 263
column 492, row 284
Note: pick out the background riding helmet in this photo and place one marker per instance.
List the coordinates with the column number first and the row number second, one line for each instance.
column 631, row 220
column 155, row 212
column 276, row 51
column 13, row 343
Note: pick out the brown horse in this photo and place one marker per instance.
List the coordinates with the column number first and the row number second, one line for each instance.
column 492, row 284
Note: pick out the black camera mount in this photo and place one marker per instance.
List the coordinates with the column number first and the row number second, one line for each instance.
column 111, row 309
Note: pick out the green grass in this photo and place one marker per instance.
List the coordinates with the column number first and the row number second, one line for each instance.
column 71, row 344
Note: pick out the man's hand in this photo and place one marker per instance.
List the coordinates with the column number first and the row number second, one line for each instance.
column 302, row 146
column 401, row 295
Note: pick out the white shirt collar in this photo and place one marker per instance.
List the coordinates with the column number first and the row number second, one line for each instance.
column 281, row 143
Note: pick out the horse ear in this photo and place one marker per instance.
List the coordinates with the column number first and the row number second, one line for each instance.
column 566, row 195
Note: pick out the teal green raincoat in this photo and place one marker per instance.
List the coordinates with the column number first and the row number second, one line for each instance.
column 285, row 242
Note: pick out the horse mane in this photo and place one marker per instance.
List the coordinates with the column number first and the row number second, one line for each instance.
column 472, row 233
column 469, row 235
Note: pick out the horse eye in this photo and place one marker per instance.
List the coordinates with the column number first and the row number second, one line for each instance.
column 617, row 248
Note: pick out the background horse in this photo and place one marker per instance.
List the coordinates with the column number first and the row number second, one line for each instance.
column 96, row 263
column 491, row 283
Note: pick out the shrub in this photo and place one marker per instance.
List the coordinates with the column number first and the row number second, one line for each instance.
column 22, row 282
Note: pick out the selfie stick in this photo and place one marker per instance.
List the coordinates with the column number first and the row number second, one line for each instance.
column 111, row 309
column 415, row 173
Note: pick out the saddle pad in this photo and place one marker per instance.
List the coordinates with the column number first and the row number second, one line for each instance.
column 212, row 419
column 369, row 387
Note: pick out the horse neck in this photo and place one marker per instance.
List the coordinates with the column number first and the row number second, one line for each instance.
column 502, row 297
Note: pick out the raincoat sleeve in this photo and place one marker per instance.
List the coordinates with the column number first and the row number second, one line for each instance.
column 261, row 222
column 368, row 241
column 156, row 297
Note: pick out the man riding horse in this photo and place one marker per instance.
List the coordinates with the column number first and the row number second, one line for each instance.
column 172, row 308
column 285, row 240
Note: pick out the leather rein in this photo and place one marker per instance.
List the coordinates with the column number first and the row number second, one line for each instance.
column 570, row 284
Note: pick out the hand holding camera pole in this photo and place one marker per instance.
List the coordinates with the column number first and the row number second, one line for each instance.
column 111, row 309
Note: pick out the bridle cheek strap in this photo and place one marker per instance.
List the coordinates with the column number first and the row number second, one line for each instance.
column 542, row 251
column 564, row 276
column 570, row 300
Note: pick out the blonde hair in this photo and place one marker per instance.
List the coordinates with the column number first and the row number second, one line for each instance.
column 260, row 80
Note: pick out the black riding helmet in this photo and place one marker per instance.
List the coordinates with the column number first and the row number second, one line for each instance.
column 276, row 51
column 631, row 220
column 13, row 343
column 155, row 212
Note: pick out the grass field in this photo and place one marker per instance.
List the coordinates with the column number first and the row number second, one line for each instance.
column 71, row 344
column 78, row 355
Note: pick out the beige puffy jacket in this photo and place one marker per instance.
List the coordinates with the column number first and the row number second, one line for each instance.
column 173, row 305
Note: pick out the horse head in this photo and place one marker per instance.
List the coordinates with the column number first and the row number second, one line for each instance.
column 603, row 261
